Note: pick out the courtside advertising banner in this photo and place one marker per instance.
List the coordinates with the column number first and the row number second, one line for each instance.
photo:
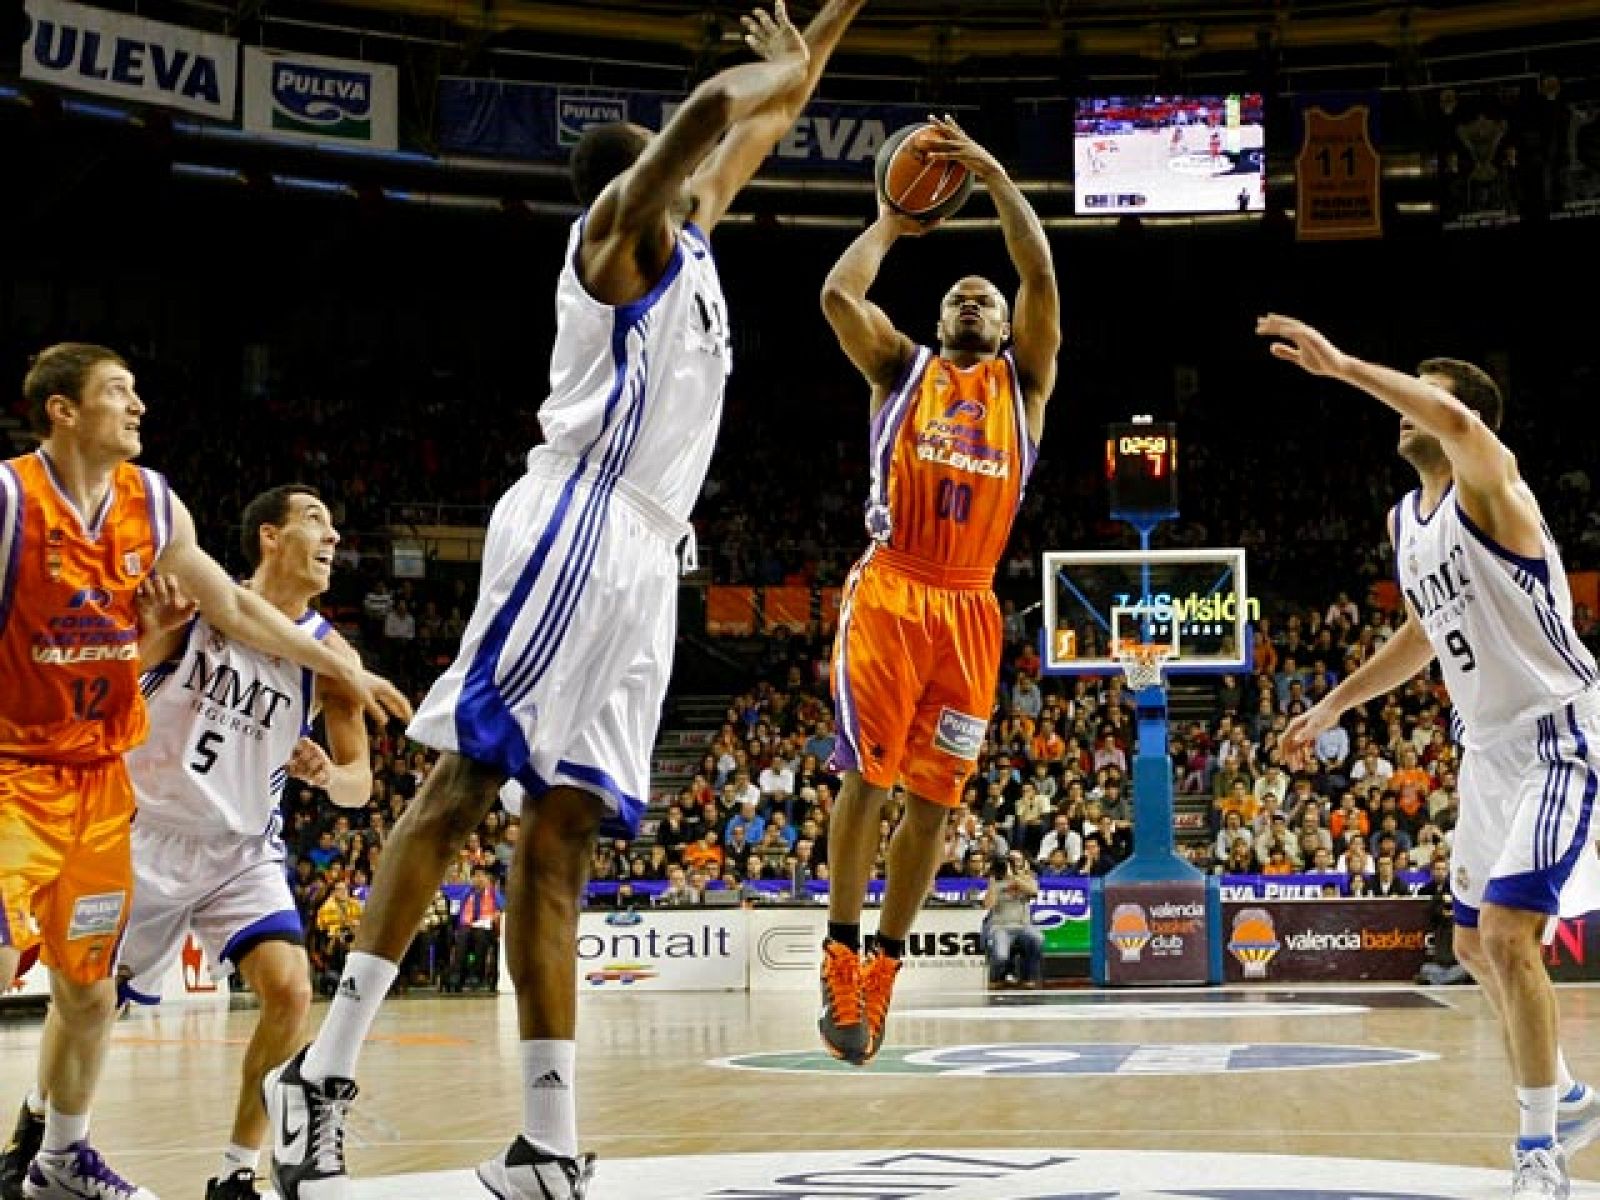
column 187, row 982
column 110, row 54
column 1301, row 941
column 670, row 950
column 320, row 99
column 944, row 952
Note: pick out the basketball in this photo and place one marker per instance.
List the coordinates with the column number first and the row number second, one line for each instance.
column 912, row 183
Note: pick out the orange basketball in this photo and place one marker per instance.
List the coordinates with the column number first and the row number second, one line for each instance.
column 910, row 182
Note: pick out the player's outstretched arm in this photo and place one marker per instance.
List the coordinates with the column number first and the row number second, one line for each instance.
column 1036, row 323
column 346, row 768
column 751, row 140
column 640, row 200
column 1393, row 664
column 1478, row 459
column 237, row 612
column 867, row 336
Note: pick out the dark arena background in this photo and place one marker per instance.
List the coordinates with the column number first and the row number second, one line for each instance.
column 327, row 236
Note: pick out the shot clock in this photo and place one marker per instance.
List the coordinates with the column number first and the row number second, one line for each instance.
column 1142, row 469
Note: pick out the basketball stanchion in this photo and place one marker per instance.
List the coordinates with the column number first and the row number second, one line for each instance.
column 1150, row 615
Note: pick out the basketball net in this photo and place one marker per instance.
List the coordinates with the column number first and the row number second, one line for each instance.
column 1142, row 663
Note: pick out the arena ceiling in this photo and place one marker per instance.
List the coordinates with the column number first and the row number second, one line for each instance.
column 958, row 29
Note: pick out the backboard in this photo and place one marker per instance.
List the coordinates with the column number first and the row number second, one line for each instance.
column 1193, row 601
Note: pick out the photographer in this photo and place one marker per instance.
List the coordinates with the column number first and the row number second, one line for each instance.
column 337, row 922
column 1008, row 924
column 1442, row 966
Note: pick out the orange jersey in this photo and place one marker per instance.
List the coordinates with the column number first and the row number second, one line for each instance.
column 68, row 630
column 950, row 457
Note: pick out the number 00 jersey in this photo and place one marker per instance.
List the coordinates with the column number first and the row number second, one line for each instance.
column 224, row 720
column 1501, row 624
column 69, row 636
column 950, row 457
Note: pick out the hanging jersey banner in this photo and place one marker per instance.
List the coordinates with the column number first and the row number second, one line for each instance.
column 1337, row 178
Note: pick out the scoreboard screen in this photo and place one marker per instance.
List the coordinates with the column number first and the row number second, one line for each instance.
column 1142, row 469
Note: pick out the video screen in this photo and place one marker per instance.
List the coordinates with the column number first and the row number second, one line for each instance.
column 1169, row 154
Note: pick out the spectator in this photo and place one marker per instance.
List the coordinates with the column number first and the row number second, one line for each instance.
column 1008, row 925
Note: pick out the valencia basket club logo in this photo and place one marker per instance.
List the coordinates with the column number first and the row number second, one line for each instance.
column 1254, row 941
column 1130, row 931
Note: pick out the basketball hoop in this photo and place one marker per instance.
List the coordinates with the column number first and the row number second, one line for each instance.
column 1142, row 663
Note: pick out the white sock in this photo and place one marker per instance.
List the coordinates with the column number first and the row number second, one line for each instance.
column 355, row 1006
column 61, row 1131
column 34, row 1101
column 549, row 1114
column 238, row 1158
column 1536, row 1110
column 1566, row 1085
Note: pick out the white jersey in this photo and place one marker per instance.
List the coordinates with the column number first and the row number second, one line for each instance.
column 1500, row 623
column 224, row 720
column 636, row 390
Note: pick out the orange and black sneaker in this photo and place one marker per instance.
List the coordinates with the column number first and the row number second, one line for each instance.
column 877, row 987
column 843, row 1021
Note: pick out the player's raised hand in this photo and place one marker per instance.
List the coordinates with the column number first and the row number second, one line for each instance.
column 773, row 37
column 951, row 143
column 1299, row 739
column 310, row 762
column 1300, row 344
column 162, row 605
column 900, row 224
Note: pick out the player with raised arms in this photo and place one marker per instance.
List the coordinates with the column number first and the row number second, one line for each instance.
column 1486, row 595
column 954, row 435
column 559, row 681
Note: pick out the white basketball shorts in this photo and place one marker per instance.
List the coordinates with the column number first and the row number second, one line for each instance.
column 231, row 891
column 564, row 664
column 1526, row 834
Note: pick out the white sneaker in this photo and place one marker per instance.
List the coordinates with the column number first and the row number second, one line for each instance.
column 1539, row 1173
column 1578, row 1123
column 307, row 1122
column 78, row 1173
column 524, row 1173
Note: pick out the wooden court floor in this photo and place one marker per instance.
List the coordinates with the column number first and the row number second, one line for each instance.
column 1238, row 1070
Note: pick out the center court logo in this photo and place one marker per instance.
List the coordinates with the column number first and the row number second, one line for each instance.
column 1254, row 941
column 1014, row 1173
column 1056, row 1059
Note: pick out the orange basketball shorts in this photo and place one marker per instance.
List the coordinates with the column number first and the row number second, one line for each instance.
column 915, row 662
column 66, row 872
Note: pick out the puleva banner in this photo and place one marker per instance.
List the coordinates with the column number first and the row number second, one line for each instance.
column 321, row 99
column 110, row 54
column 543, row 123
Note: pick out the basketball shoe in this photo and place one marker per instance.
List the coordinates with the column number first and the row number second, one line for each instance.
column 1578, row 1120
column 843, row 1021
column 241, row 1185
column 877, row 989
column 25, row 1141
column 1539, row 1174
column 307, row 1132
column 78, row 1173
column 525, row 1173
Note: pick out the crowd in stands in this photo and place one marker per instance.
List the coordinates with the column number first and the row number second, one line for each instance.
column 1372, row 815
